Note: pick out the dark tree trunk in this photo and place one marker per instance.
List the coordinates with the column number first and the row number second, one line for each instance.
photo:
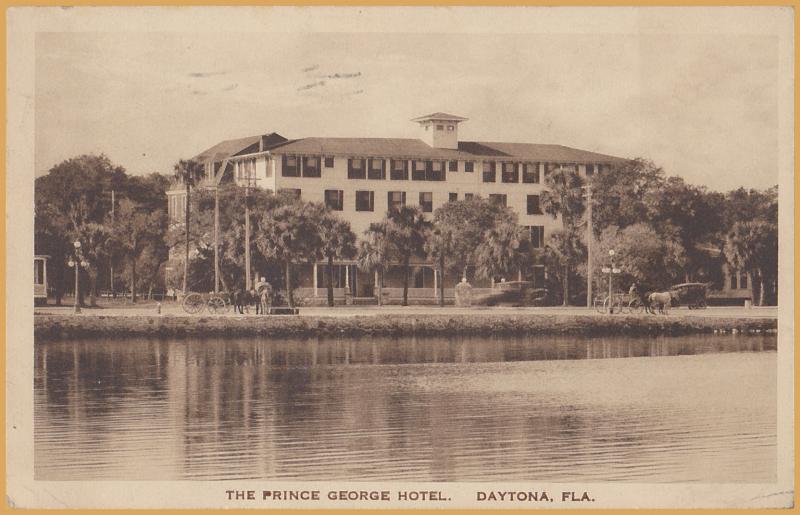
column 288, row 279
column 92, row 289
column 330, row 280
column 133, row 280
column 380, row 286
column 405, row 281
column 441, row 280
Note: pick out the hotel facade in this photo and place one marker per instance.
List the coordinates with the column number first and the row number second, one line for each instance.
column 361, row 178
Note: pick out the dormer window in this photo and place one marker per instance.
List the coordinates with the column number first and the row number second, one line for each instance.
column 440, row 127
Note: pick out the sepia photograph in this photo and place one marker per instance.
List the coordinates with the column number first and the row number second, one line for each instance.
column 407, row 257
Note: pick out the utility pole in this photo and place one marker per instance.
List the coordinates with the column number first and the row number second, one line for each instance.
column 111, row 283
column 589, row 238
column 247, row 283
column 216, row 238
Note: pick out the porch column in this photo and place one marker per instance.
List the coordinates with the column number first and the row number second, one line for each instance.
column 375, row 288
column 347, row 277
column 315, row 280
column 435, row 283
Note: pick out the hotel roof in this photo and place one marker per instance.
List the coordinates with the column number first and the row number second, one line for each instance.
column 404, row 148
column 412, row 148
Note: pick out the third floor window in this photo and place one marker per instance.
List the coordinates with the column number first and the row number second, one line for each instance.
column 356, row 168
column 510, row 172
column 399, row 170
column 530, row 173
column 377, row 169
column 489, row 171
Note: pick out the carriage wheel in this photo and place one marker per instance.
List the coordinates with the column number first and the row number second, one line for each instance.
column 600, row 305
column 217, row 305
column 635, row 306
column 701, row 304
column 193, row 303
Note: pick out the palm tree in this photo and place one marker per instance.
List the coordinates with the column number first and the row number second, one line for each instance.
column 751, row 246
column 373, row 252
column 290, row 234
column 440, row 247
column 189, row 173
column 338, row 242
column 407, row 229
column 563, row 197
column 505, row 249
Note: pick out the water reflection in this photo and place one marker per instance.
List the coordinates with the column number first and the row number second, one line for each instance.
column 681, row 409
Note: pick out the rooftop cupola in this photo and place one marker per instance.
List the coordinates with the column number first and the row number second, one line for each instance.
column 439, row 130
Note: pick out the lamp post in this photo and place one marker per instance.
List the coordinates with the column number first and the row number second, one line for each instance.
column 610, row 271
column 77, row 263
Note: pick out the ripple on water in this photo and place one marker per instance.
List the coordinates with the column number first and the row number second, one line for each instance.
column 680, row 409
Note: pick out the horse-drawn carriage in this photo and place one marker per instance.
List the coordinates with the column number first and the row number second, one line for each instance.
column 692, row 295
column 216, row 303
column 262, row 298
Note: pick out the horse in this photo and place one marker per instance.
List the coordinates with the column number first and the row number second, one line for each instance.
column 242, row 300
column 662, row 301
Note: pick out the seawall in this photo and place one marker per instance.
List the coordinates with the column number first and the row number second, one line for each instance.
column 56, row 327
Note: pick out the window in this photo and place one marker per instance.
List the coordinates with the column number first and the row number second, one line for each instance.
column 426, row 201
column 355, row 169
column 534, row 208
column 530, row 174
column 396, row 199
column 38, row 271
column 365, row 201
column 311, row 167
column 434, row 171
column 469, row 166
column 291, row 167
column 510, row 172
column 469, row 196
column 489, row 171
column 537, row 236
column 377, row 169
column 589, row 170
column 452, row 197
column 734, row 281
column 328, row 161
column 334, row 199
column 246, row 169
column 291, row 192
column 399, row 170
column 453, row 166
column 418, row 173
column 551, row 167
column 440, row 127
column 451, row 128
column 498, row 198
column 743, row 281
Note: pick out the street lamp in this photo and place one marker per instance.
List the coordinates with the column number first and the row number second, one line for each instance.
column 610, row 271
column 77, row 263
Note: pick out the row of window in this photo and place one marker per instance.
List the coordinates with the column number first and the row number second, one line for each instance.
column 738, row 281
column 420, row 170
column 365, row 200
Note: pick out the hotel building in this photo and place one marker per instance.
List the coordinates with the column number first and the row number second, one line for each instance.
column 361, row 178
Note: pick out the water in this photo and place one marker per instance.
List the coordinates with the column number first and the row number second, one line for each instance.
column 700, row 408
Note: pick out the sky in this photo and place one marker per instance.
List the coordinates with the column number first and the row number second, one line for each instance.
column 703, row 106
